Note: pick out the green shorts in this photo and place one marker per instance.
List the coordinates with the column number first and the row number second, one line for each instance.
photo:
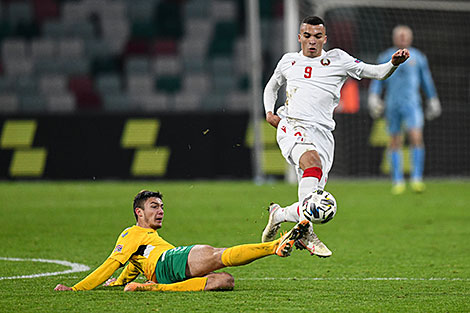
column 171, row 266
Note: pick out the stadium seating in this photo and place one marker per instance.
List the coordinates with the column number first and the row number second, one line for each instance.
column 123, row 55
column 9, row 103
column 108, row 83
column 32, row 103
column 83, row 89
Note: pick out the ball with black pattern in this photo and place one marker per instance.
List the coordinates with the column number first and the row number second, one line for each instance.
column 319, row 207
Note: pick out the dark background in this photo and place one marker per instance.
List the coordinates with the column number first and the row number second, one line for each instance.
column 213, row 146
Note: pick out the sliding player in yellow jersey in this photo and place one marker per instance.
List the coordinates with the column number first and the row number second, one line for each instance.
column 170, row 268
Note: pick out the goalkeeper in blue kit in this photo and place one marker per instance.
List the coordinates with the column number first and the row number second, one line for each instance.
column 402, row 107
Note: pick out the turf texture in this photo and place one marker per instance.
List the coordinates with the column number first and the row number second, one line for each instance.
column 407, row 253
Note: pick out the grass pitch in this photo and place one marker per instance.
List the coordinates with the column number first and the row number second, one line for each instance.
column 407, row 253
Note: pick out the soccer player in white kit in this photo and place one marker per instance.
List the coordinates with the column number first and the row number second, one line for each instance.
column 314, row 78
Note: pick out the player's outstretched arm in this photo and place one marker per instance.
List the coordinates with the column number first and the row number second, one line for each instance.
column 383, row 71
column 400, row 56
column 94, row 279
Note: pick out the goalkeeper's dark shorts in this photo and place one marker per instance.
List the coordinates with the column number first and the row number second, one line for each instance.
column 171, row 266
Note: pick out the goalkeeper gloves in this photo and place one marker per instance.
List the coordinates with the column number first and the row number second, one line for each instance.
column 376, row 105
column 433, row 108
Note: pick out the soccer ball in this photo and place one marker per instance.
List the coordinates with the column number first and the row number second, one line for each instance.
column 319, row 207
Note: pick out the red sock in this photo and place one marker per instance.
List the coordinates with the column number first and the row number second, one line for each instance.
column 313, row 172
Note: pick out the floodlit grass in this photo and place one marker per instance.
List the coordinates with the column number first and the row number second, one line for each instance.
column 408, row 253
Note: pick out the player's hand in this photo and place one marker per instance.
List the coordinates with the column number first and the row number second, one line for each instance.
column 376, row 105
column 433, row 108
column 400, row 56
column 61, row 287
column 110, row 282
column 272, row 119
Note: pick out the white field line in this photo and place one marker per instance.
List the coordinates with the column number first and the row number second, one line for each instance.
column 357, row 278
column 74, row 267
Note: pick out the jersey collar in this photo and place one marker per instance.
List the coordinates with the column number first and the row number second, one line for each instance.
column 145, row 229
column 323, row 52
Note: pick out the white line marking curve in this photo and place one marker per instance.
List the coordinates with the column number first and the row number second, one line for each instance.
column 74, row 267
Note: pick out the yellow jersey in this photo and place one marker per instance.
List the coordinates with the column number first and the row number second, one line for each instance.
column 142, row 247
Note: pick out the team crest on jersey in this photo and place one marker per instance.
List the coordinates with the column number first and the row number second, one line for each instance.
column 325, row 62
column 293, row 62
column 118, row 248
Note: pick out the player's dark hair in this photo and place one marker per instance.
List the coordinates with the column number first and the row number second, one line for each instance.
column 313, row 20
column 142, row 196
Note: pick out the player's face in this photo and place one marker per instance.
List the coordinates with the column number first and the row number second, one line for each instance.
column 312, row 38
column 402, row 38
column 152, row 214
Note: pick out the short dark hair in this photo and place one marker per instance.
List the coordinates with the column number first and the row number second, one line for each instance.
column 142, row 196
column 313, row 20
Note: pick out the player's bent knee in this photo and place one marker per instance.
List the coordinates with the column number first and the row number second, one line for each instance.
column 219, row 281
column 309, row 158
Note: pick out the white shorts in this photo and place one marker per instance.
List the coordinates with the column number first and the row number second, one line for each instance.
column 294, row 139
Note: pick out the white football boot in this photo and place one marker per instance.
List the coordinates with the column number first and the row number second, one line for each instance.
column 270, row 231
column 313, row 245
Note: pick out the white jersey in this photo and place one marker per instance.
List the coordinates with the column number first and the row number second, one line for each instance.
column 314, row 84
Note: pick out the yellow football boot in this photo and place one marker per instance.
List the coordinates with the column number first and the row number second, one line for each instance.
column 398, row 189
column 418, row 186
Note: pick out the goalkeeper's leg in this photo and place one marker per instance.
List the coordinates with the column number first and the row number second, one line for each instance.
column 396, row 164
column 417, row 157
